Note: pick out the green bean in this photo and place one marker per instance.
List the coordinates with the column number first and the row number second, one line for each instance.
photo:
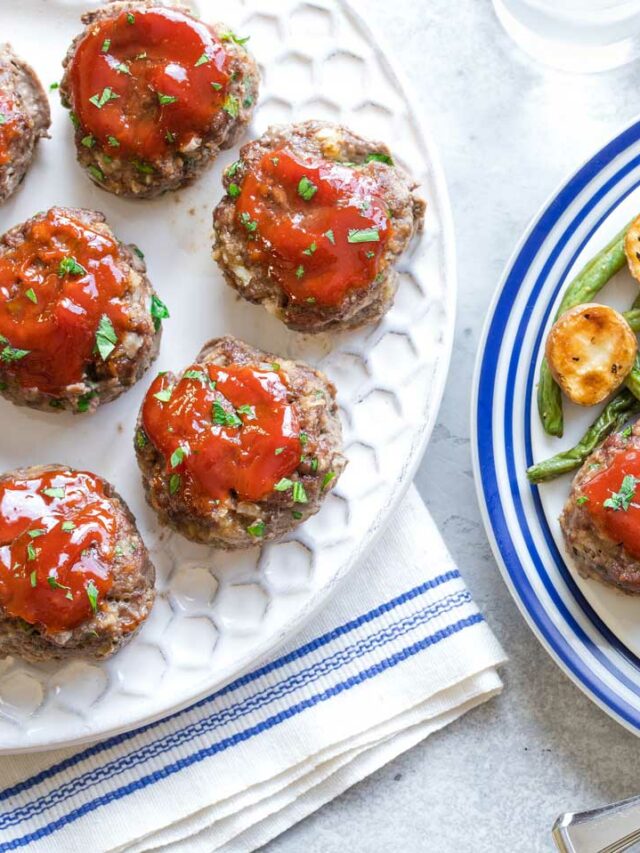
column 633, row 319
column 613, row 417
column 584, row 287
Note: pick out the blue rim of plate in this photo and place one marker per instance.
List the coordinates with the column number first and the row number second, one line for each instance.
column 543, row 587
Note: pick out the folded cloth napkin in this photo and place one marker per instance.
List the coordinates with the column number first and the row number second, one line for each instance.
column 400, row 651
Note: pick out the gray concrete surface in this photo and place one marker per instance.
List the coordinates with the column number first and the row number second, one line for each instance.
column 508, row 132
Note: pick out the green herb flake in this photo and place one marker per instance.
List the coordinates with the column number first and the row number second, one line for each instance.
column 32, row 551
column 69, row 266
column 96, row 173
column 174, row 483
column 377, row 157
column 31, row 295
column 233, row 190
column 159, row 311
column 122, row 68
column 231, row 170
column 131, row 18
column 299, row 495
column 53, row 583
column 10, row 353
column 278, row 451
column 328, row 477
column 33, row 577
column 106, row 338
column 107, row 94
column 581, row 500
column 363, row 235
column 306, row 189
column 113, row 142
column 314, row 464
column 256, row 529
column 141, row 439
column 304, row 438
column 178, row 456
column 275, row 160
column 195, row 374
column 54, row 492
column 231, row 106
column 92, row 595
column 68, row 526
column 275, row 366
column 223, row 418
column 84, row 402
column 166, row 99
column 170, row 137
column 248, row 411
column 296, row 514
column 248, row 223
column 164, row 396
column 37, row 531
column 217, row 86
column 3, row 118
column 370, row 254
column 230, row 36
column 283, row 485
column 330, row 236
column 137, row 251
column 88, row 141
column 622, row 499
column 300, row 272
column 106, row 44
column 54, row 86
column 144, row 168
column 310, row 250
column 75, row 121
column 202, row 60
column 626, row 432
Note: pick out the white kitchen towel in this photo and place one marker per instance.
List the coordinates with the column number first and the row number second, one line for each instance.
column 400, row 651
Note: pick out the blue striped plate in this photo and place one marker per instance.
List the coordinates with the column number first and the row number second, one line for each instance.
column 591, row 631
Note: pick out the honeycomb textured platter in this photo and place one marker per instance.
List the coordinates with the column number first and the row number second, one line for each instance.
column 217, row 614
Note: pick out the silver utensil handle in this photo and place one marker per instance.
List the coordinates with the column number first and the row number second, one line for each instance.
column 610, row 829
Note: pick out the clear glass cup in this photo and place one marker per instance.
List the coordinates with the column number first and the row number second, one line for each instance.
column 574, row 35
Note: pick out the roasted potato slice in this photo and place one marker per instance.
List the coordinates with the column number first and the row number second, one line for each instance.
column 632, row 248
column 590, row 351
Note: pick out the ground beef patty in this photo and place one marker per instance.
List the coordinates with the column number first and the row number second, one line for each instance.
column 24, row 118
column 75, row 576
column 241, row 448
column 155, row 95
column 601, row 518
column 79, row 320
column 312, row 223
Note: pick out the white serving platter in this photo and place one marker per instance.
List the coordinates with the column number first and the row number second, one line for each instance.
column 217, row 614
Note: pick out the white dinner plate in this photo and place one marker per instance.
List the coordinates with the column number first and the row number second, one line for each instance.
column 218, row 613
column 592, row 631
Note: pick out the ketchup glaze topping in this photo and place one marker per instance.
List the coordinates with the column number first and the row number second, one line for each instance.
column 223, row 430
column 57, row 541
column 60, row 302
column 148, row 82
column 321, row 228
column 613, row 500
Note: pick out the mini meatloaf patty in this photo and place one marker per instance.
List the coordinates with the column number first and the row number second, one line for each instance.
column 155, row 95
column 75, row 577
column 24, row 118
column 601, row 518
column 312, row 223
column 79, row 320
column 241, row 448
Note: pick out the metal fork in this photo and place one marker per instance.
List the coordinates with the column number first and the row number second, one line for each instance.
column 610, row 829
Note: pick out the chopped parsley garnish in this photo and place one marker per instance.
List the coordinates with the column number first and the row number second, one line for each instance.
column 626, row 432
column 92, row 595
column 54, row 86
column 310, row 250
column 106, row 44
column 248, row 223
column 329, row 235
column 113, row 142
column 106, row 338
column 363, row 235
column 297, row 515
column 164, row 396
column 96, row 173
column 221, row 417
column 370, row 254
column 32, row 551
column 3, row 118
column 230, row 36
column 278, row 451
column 159, row 311
column 141, row 439
column 300, row 271
column 249, row 411
column 275, row 366
column 84, row 401
column 31, row 295
column 99, row 100
column 328, row 477
column 53, row 583
column 299, row 495
column 145, row 168
column 378, row 158
column 178, row 456
column 68, row 526
column 75, row 121
column 166, row 99
column 174, row 483
column 622, row 499
column 69, row 266
column 306, row 189
column 233, row 168
column 195, row 374
column 10, row 353
column 217, row 86
column 131, row 18
column 314, row 464
column 138, row 251
column 170, row 137
column 231, row 106
column 283, row 485
column 33, row 577
column 304, row 438
column 233, row 190
column 54, row 492
column 36, row 532
column 203, row 60
column 123, row 68
column 275, row 160
column 256, row 529
column 88, row 141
